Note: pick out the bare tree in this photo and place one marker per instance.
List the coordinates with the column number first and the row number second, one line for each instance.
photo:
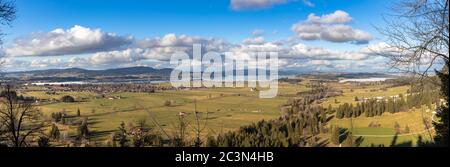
column 418, row 35
column 179, row 138
column 198, row 128
column 7, row 15
column 20, row 120
column 7, row 12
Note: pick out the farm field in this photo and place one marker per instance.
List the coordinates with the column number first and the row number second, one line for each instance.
column 351, row 91
column 385, row 133
column 227, row 108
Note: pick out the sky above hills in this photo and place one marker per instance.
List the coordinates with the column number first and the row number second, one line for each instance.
column 309, row 35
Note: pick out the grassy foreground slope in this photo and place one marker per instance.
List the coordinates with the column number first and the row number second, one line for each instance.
column 385, row 133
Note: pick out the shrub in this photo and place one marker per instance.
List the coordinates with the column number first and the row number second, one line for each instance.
column 167, row 103
column 67, row 99
column 54, row 132
column 43, row 141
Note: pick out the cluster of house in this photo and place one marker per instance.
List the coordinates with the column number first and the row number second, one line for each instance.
column 378, row 98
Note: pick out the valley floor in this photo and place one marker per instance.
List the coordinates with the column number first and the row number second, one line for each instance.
column 227, row 108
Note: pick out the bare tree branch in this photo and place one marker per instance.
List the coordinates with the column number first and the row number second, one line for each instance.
column 418, row 32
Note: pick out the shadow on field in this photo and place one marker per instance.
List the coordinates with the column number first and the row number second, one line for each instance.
column 345, row 132
column 323, row 143
column 404, row 144
column 99, row 134
column 92, row 121
column 330, row 118
column 359, row 141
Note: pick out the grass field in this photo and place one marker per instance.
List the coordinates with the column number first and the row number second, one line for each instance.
column 228, row 109
column 352, row 91
column 384, row 134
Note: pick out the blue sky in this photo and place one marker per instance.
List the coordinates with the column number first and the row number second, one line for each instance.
column 205, row 19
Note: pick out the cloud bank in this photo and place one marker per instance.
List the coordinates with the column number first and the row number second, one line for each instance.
column 76, row 40
column 330, row 27
column 93, row 48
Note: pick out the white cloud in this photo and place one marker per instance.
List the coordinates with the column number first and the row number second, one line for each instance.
column 126, row 51
column 331, row 27
column 14, row 64
column 302, row 51
column 256, row 40
column 172, row 41
column 114, row 57
column 380, row 48
column 76, row 40
column 308, row 3
column 263, row 47
column 159, row 49
column 47, row 62
column 319, row 62
column 342, row 66
column 164, row 53
column 258, row 32
column 338, row 17
column 254, row 4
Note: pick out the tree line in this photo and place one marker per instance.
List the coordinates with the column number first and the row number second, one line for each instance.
column 376, row 107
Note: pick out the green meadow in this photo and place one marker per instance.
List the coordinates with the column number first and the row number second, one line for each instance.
column 227, row 108
column 224, row 109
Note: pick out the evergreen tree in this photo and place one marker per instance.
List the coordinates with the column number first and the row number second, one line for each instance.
column 407, row 130
column 54, row 132
column 349, row 142
column 67, row 99
column 122, row 137
column 83, row 130
column 442, row 128
column 113, row 140
column 323, row 116
column 43, row 141
column 137, row 141
column 335, row 133
column 330, row 109
column 397, row 127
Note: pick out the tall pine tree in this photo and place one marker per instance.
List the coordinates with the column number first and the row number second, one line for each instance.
column 442, row 129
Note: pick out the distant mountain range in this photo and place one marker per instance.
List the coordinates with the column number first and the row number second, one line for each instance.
column 79, row 72
column 138, row 74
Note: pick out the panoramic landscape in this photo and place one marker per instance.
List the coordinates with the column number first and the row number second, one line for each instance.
column 316, row 74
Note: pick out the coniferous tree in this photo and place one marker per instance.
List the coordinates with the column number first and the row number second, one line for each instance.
column 407, row 130
column 43, row 141
column 63, row 120
column 330, row 109
column 122, row 137
column 335, row 133
column 349, row 142
column 323, row 116
column 441, row 127
column 83, row 130
column 54, row 132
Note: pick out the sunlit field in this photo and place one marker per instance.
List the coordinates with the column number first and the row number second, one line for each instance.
column 222, row 110
column 227, row 108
